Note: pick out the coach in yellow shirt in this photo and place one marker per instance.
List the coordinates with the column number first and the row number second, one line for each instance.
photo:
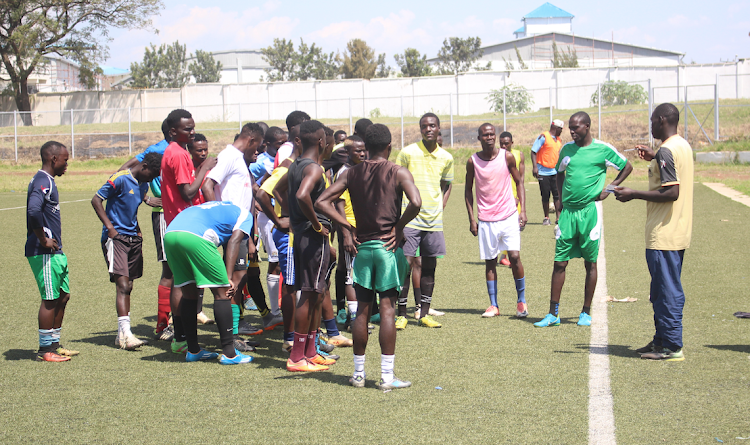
column 669, row 226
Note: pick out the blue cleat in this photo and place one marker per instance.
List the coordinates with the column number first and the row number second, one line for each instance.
column 341, row 316
column 394, row 384
column 548, row 320
column 238, row 359
column 250, row 305
column 584, row 319
column 200, row 356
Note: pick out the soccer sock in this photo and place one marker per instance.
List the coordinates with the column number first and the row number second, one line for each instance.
column 273, row 293
column 521, row 289
column 492, row 291
column 235, row 318
column 586, row 310
column 288, row 336
column 554, row 308
column 162, row 315
column 402, row 304
column 310, row 349
column 359, row 365
column 179, row 330
column 417, row 296
column 223, row 314
column 56, row 336
column 123, row 325
column 424, row 308
column 386, row 367
column 190, row 324
column 45, row 339
column 331, row 329
column 199, row 302
column 352, row 309
column 255, row 289
column 340, row 289
column 298, row 348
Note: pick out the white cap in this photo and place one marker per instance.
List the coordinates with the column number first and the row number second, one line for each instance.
column 558, row 123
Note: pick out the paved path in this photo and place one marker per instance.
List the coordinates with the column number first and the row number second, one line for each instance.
column 730, row 193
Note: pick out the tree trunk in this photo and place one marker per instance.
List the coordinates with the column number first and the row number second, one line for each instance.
column 23, row 103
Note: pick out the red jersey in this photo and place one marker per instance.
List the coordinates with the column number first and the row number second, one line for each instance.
column 176, row 169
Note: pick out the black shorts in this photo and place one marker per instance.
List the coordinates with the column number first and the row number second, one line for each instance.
column 241, row 262
column 547, row 185
column 311, row 259
column 124, row 256
column 159, row 226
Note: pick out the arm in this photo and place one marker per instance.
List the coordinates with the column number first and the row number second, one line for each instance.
column 624, row 173
column 446, row 187
column 534, row 149
column 469, row 196
column 311, row 177
column 232, row 250
column 96, row 202
column 152, row 201
column 264, row 199
column 662, row 194
column 325, row 202
column 36, row 214
column 510, row 160
column 406, row 182
column 208, row 189
column 130, row 164
column 188, row 191
column 347, row 235
column 560, row 182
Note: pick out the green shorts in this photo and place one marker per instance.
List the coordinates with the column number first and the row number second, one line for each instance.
column 378, row 269
column 194, row 260
column 51, row 274
column 578, row 234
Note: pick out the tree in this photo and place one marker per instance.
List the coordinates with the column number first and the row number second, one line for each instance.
column 359, row 61
column 327, row 66
column 281, row 57
column 563, row 59
column 516, row 98
column 412, row 64
column 312, row 63
column 204, row 68
column 619, row 92
column 76, row 30
column 162, row 67
column 383, row 69
column 458, row 55
column 520, row 59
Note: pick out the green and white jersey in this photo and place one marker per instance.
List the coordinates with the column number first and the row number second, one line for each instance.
column 586, row 171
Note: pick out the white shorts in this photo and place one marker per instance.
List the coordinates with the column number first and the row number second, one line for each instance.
column 496, row 236
column 265, row 229
column 349, row 263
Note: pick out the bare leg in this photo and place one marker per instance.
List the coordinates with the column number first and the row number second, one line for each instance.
column 387, row 322
column 591, row 277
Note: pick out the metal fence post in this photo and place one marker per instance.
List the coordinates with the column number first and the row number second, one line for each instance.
column 650, row 111
column 351, row 128
column 15, row 131
column 716, row 109
column 72, row 137
column 504, row 108
column 402, row 122
column 450, row 99
column 130, row 135
column 686, row 115
column 599, row 92
column 550, row 104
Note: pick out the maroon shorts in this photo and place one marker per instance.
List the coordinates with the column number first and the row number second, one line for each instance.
column 123, row 255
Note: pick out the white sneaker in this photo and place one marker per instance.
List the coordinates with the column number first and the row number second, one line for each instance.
column 435, row 313
column 130, row 342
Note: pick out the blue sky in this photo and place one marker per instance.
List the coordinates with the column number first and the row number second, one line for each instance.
column 704, row 33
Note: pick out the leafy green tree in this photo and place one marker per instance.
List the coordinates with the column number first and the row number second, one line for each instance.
column 162, row 67
column 383, row 69
column 205, row 68
column 459, row 55
column 619, row 92
column 564, row 59
column 516, row 99
column 76, row 30
column 312, row 63
column 412, row 64
column 282, row 58
column 359, row 61
column 327, row 66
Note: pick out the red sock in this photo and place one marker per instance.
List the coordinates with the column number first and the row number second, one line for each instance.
column 310, row 349
column 281, row 284
column 162, row 317
column 298, row 348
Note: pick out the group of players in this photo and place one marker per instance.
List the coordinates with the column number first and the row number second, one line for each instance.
column 294, row 189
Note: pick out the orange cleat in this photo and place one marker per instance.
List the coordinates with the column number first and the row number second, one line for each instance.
column 51, row 357
column 304, row 365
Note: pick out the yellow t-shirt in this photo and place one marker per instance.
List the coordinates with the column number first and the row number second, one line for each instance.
column 428, row 170
column 271, row 182
column 348, row 209
column 516, row 154
column 669, row 225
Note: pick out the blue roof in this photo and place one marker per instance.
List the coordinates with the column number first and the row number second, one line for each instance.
column 112, row 71
column 547, row 10
column 520, row 30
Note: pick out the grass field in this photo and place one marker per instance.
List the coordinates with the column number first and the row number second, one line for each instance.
column 501, row 380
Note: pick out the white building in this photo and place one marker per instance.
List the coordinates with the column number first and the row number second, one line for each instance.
column 545, row 19
column 240, row 65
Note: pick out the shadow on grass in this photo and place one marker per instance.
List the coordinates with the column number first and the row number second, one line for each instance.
column 20, row 354
column 737, row 348
column 463, row 311
column 325, row 377
column 614, row 350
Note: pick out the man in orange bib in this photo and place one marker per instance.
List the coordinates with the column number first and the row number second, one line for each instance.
column 543, row 159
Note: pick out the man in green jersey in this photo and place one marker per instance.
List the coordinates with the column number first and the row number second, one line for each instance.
column 581, row 174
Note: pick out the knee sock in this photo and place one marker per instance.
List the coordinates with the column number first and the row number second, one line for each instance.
column 340, row 289
column 359, row 365
column 255, row 289
column 401, row 305
column 45, row 339
column 223, row 315
column 179, row 330
column 331, row 329
column 521, row 289
column 190, row 324
column 199, row 301
column 554, row 308
column 310, row 347
column 272, row 281
column 492, row 291
column 235, row 318
column 123, row 326
column 386, row 367
column 352, row 308
column 586, row 310
column 162, row 316
column 298, row 348
column 417, row 296
column 56, row 337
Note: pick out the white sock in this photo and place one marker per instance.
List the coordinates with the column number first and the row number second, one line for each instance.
column 273, row 293
column 56, row 335
column 386, row 367
column 352, row 305
column 359, row 365
column 297, row 296
column 123, row 324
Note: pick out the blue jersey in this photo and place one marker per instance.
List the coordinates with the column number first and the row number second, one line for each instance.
column 262, row 165
column 123, row 194
column 42, row 212
column 214, row 221
column 158, row 147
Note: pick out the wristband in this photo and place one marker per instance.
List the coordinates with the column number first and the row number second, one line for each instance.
column 319, row 231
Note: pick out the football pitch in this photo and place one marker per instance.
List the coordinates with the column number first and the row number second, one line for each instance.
column 476, row 380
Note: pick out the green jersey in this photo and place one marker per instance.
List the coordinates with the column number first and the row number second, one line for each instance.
column 586, row 171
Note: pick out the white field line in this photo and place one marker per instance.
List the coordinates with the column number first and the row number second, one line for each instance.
column 64, row 202
column 601, row 413
column 728, row 192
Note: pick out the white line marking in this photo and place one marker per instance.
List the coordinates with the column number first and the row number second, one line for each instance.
column 601, row 413
column 730, row 193
column 64, row 202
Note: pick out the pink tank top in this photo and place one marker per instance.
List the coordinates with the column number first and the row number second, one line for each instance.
column 495, row 201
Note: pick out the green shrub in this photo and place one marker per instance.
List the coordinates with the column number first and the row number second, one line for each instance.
column 619, row 92
column 517, row 99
